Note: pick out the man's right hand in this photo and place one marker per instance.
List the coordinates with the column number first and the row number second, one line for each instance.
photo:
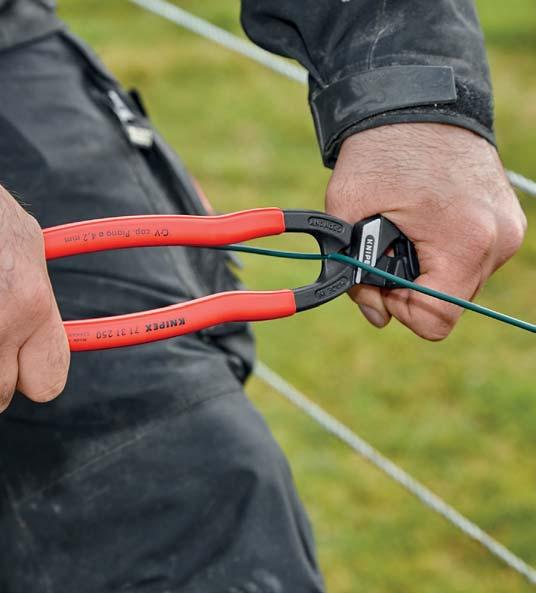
column 34, row 353
column 445, row 188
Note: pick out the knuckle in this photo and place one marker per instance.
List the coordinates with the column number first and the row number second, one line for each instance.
column 435, row 326
column 484, row 236
column 513, row 229
column 35, row 299
column 27, row 235
column 26, row 291
column 6, row 395
column 45, row 393
column 58, row 361
column 32, row 228
column 514, row 234
column 52, row 371
column 437, row 332
column 62, row 359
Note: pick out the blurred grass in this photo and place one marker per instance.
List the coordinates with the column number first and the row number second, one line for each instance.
column 460, row 415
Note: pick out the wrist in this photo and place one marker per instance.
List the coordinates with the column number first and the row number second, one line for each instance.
column 395, row 95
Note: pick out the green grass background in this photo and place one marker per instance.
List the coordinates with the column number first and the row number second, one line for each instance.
column 460, row 415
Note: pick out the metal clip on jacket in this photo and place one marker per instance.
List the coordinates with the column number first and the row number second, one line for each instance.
column 369, row 240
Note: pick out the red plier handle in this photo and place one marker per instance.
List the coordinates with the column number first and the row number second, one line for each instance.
column 149, row 231
column 332, row 234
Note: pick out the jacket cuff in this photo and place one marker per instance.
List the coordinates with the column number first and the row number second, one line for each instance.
column 395, row 94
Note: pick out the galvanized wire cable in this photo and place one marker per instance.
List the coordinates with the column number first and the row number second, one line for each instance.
column 249, row 50
column 527, row 186
column 224, row 38
column 285, row 389
column 397, row 474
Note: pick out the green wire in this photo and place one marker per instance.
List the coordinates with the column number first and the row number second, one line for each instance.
column 531, row 327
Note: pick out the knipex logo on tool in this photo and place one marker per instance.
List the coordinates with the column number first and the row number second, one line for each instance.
column 324, row 223
column 153, row 327
column 369, row 253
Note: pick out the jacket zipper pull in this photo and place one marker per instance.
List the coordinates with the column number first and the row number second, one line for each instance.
column 138, row 133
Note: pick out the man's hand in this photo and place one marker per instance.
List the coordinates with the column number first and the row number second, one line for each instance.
column 445, row 188
column 34, row 353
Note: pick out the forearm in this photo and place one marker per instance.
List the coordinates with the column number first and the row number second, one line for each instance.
column 375, row 62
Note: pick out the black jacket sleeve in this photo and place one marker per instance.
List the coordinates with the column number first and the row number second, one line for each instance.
column 377, row 62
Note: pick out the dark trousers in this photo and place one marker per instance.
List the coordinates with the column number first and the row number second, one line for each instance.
column 152, row 472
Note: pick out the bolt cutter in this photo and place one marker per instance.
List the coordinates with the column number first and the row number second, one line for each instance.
column 375, row 241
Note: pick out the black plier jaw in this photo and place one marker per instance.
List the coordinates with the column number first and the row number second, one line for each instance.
column 333, row 236
column 371, row 241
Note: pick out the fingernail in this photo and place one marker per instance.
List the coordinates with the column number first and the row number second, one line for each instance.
column 376, row 318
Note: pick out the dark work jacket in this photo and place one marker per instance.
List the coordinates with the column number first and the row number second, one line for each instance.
column 370, row 62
